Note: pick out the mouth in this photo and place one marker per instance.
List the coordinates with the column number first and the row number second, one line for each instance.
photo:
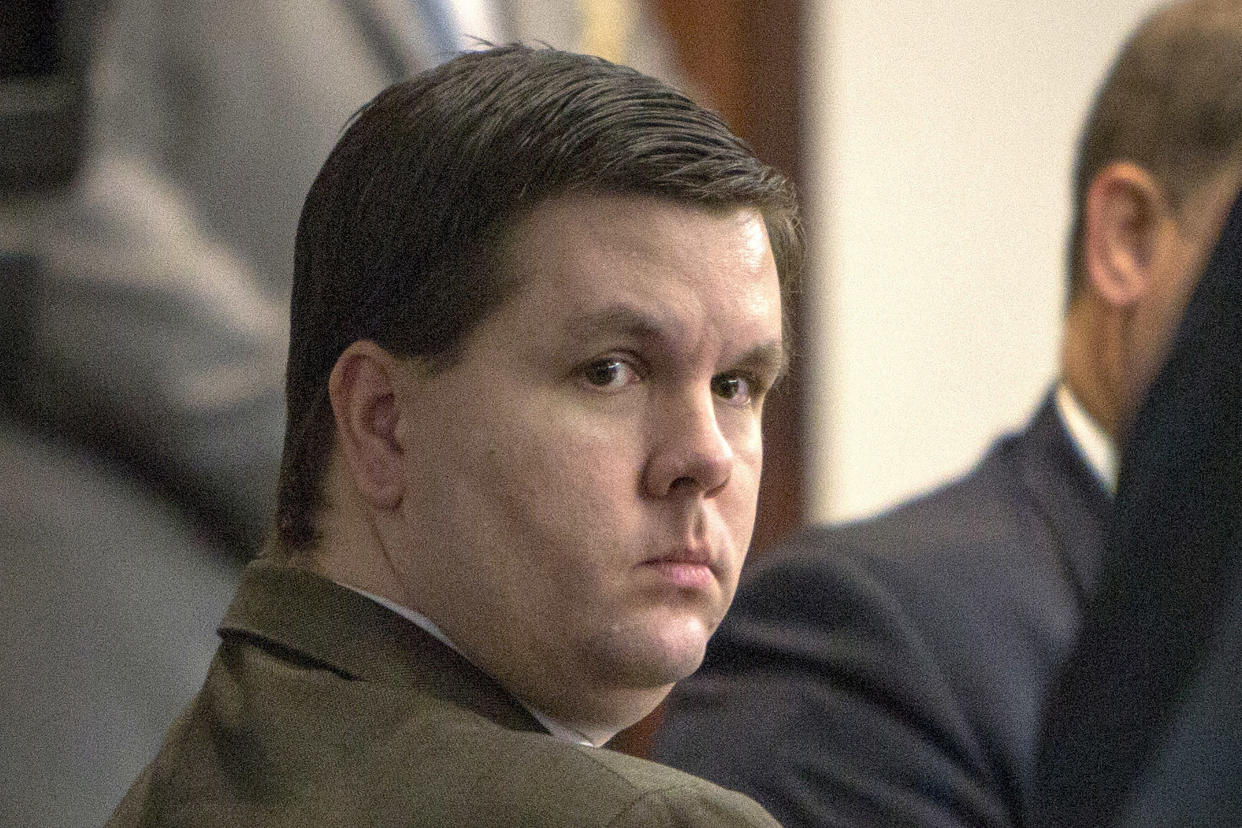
column 685, row 568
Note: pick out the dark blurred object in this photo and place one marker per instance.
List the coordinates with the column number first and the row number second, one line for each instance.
column 19, row 276
column 42, row 143
column 42, row 95
column 28, row 45
column 1144, row 726
column 42, row 129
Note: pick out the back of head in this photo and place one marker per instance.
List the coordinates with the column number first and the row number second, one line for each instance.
column 1171, row 103
column 403, row 234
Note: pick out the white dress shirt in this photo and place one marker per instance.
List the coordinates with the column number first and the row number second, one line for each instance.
column 1093, row 443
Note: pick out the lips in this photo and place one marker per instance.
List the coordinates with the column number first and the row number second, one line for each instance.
column 688, row 567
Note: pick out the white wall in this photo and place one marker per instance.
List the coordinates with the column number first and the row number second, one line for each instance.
column 939, row 199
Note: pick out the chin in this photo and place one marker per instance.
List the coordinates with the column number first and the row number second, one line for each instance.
column 655, row 655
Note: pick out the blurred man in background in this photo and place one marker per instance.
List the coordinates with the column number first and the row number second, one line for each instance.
column 893, row 672
column 1143, row 725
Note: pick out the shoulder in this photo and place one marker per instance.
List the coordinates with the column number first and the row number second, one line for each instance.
column 473, row 772
column 612, row 788
column 978, row 522
column 388, row 759
column 965, row 586
column 995, row 533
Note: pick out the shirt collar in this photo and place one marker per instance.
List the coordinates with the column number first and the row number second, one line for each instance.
column 559, row 731
column 1092, row 442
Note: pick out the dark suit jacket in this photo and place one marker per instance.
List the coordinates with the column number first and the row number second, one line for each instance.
column 1145, row 724
column 891, row 672
column 324, row 708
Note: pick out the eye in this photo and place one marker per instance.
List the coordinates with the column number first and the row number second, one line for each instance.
column 610, row 374
column 734, row 388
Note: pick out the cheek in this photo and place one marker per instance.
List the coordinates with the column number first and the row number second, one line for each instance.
column 747, row 443
column 565, row 482
column 740, row 502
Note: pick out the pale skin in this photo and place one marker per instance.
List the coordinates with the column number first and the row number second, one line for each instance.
column 1143, row 258
column 572, row 500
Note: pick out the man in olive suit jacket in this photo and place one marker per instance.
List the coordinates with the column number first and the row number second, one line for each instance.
column 537, row 306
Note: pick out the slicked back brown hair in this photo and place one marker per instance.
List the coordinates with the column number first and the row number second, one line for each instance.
column 1171, row 103
column 402, row 236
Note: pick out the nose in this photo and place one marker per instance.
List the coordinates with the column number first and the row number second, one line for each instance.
column 691, row 454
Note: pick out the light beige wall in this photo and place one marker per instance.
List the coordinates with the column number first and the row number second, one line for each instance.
column 944, row 135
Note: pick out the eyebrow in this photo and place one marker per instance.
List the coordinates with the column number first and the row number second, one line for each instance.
column 617, row 319
column 771, row 356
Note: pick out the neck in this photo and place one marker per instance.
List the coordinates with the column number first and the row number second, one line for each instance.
column 1091, row 360
column 351, row 551
column 595, row 707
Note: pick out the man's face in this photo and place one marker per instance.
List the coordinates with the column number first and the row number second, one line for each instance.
column 583, row 488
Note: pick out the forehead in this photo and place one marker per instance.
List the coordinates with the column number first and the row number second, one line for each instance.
column 623, row 259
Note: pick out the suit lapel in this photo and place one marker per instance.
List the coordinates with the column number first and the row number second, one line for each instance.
column 1067, row 494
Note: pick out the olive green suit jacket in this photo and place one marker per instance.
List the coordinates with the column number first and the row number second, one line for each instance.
column 322, row 707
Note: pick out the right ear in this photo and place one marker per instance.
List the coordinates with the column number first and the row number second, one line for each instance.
column 1125, row 215
column 362, row 389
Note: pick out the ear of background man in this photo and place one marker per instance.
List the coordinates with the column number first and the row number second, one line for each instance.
column 1144, row 727
column 1125, row 209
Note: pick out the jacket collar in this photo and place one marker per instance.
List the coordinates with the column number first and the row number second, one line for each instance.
column 314, row 620
column 1067, row 492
